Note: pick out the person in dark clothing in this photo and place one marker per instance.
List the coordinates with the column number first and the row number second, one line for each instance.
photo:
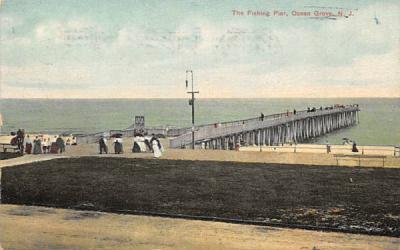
column 354, row 148
column 61, row 144
column 328, row 148
column 231, row 145
column 14, row 141
column 20, row 140
column 138, row 143
column 103, row 145
column 118, row 145
column 153, row 137
column 308, row 110
column 262, row 117
column 136, row 148
column 294, row 111
column 148, row 145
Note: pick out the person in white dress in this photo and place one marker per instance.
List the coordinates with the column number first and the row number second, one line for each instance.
column 156, row 149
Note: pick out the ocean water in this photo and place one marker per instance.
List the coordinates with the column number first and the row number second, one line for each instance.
column 379, row 117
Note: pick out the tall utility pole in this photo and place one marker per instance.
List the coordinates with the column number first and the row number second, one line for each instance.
column 191, row 102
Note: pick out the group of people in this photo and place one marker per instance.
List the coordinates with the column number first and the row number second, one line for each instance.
column 39, row 145
column 336, row 106
column 118, row 145
column 147, row 143
column 141, row 143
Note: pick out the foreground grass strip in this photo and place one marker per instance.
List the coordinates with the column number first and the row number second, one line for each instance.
column 365, row 200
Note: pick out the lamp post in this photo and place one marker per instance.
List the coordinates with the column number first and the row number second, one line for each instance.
column 191, row 101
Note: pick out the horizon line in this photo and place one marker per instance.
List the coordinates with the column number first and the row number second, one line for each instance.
column 171, row 98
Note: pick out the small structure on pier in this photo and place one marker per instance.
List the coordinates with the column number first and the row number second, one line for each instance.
column 272, row 129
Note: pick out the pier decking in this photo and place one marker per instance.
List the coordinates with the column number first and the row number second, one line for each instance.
column 270, row 130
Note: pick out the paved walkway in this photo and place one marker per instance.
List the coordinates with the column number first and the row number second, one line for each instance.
column 29, row 159
column 48, row 228
column 303, row 158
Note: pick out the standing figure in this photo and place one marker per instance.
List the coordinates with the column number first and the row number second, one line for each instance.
column 147, row 142
column 20, row 140
column 118, row 147
column 37, row 146
column 231, row 145
column 103, row 145
column 44, row 145
column 28, row 145
column 328, row 148
column 354, row 148
column 156, row 145
column 152, row 138
column 138, row 144
column 48, row 145
column 53, row 145
column 61, row 144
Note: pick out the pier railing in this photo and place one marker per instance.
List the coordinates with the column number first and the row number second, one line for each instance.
column 239, row 122
column 214, row 131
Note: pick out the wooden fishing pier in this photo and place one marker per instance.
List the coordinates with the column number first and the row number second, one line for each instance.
column 270, row 130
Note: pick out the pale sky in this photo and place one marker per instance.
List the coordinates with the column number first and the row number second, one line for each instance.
column 141, row 49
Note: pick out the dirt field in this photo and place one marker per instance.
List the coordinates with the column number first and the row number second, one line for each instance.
column 364, row 200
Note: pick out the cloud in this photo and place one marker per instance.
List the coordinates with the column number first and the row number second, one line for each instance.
column 201, row 43
column 200, row 40
column 234, row 58
column 367, row 76
column 74, row 32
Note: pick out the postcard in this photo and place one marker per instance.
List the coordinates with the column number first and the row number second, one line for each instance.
column 199, row 124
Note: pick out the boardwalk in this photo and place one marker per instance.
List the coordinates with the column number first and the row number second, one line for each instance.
column 271, row 130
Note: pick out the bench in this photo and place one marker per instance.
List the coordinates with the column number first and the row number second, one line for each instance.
column 397, row 151
column 7, row 147
column 381, row 158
